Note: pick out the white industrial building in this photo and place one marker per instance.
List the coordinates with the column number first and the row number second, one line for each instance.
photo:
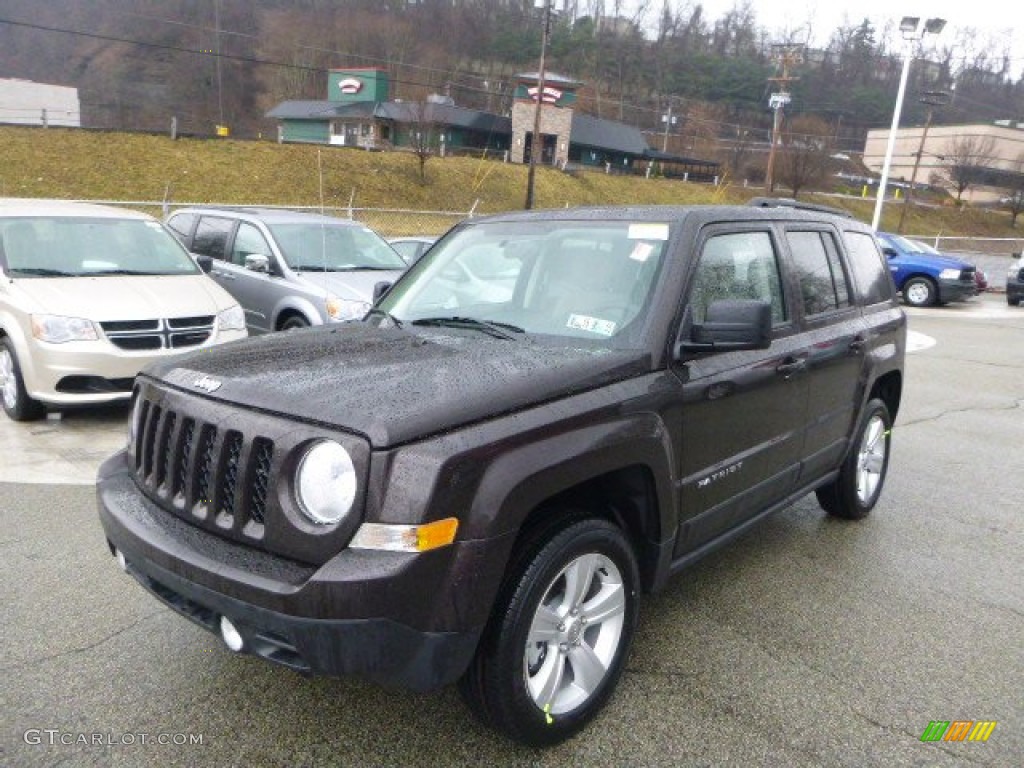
column 28, row 103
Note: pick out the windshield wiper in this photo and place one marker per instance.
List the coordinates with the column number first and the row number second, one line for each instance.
column 41, row 272
column 498, row 330
column 374, row 312
column 133, row 272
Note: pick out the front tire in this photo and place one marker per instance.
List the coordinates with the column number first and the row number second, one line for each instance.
column 557, row 641
column 920, row 292
column 294, row 323
column 17, row 403
column 854, row 493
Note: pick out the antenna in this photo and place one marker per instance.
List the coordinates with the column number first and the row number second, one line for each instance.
column 320, row 173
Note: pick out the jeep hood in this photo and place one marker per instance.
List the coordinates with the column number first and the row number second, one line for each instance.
column 391, row 385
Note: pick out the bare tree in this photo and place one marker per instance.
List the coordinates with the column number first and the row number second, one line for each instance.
column 806, row 154
column 967, row 158
column 424, row 133
column 1015, row 201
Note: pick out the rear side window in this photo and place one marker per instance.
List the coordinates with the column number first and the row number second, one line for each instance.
column 738, row 265
column 870, row 271
column 823, row 284
column 212, row 236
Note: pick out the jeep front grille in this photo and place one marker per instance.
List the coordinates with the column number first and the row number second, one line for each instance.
column 160, row 333
column 201, row 469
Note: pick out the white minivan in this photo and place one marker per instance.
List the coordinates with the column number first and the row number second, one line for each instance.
column 90, row 294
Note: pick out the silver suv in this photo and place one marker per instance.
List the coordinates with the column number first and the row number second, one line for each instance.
column 287, row 269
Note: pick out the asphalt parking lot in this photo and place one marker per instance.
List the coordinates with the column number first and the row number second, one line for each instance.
column 809, row 642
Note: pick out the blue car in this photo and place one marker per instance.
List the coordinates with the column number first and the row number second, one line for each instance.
column 923, row 276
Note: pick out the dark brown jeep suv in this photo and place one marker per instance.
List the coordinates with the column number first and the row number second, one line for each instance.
column 545, row 418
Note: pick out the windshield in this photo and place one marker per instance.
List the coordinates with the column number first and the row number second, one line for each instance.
column 905, row 245
column 333, row 248
column 923, row 247
column 577, row 279
column 46, row 246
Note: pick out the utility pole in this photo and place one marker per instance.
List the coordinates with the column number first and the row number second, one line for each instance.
column 784, row 56
column 932, row 99
column 536, row 144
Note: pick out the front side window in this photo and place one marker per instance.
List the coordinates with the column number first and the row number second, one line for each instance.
column 328, row 247
column 248, row 241
column 823, row 286
column 77, row 246
column 870, row 271
column 567, row 279
column 738, row 265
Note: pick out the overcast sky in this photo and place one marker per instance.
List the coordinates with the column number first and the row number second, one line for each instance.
column 996, row 23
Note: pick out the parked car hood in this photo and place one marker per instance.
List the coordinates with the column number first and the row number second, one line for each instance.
column 929, row 260
column 124, row 297
column 393, row 386
column 356, row 285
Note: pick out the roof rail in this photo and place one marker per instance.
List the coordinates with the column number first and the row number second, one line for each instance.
column 789, row 202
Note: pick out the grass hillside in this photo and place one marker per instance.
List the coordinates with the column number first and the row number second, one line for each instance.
column 87, row 165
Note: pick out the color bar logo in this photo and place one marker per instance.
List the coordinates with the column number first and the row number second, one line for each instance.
column 958, row 730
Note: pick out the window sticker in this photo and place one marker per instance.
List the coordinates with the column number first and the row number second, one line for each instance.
column 642, row 252
column 648, row 232
column 591, row 324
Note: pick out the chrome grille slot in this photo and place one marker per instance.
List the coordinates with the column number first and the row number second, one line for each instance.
column 181, row 459
column 149, row 442
column 164, row 455
column 203, row 496
column 140, row 432
column 262, row 458
column 228, row 477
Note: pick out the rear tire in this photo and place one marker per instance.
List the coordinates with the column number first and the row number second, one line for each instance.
column 854, row 493
column 557, row 641
column 17, row 403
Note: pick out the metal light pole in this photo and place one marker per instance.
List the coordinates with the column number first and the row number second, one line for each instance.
column 932, row 99
column 913, row 30
column 669, row 120
column 536, row 143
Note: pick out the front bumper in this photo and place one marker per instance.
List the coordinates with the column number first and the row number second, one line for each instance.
column 957, row 290
column 79, row 372
column 362, row 613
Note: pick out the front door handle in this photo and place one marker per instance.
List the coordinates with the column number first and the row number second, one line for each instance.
column 858, row 344
column 791, row 365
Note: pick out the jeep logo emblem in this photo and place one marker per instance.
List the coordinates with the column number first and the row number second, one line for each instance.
column 206, row 384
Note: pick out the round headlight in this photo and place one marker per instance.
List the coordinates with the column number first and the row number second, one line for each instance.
column 325, row 483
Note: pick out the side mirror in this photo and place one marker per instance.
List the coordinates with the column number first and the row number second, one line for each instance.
column 205, row 262
column 889, row 252
column 257, row 262
column 1017, row 255
column 379, row 289
column 731, row 324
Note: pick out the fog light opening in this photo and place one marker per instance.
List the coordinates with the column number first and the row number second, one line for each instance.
column 120, row 560
column 230, row 635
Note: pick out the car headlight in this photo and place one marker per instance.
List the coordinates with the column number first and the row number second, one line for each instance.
column 58, row 330
column 949, row 274
column 231, row 319
column 340, row 310
column 325, row 483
